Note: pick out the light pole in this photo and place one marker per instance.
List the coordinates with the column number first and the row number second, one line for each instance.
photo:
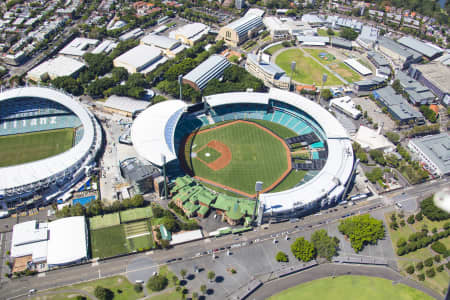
column 258, row 189
column 163, row 158
column 293, row 65
column 180, row 82
column 324, row 79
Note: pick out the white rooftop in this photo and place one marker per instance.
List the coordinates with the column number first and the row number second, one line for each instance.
column 78, row 46
column 369, row 139
column 139, row 56
column 346, row 104
column 57, row 67
column 186, row 236
column 126, row 104
column 160, row 41
column 190, row 30
column 357, row 66
column 68, row 241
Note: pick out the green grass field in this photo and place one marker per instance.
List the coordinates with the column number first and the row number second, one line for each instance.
column 276, row 128
column 307, row 70
column 323, row 32
column 290, row 181
column 273, row 49
column 140, row 242
column 136, row 228
column 256, row 155
column 28, row 147
column 208, row 154
column 336, row 65
column 109, row 241
column 104, row 221
column 351, row 287
column 136, row 214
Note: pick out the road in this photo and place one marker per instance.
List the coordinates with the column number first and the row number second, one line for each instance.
column 116, row 266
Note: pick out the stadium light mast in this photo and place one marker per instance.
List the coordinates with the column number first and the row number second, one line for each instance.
column 324, row 79
column 258, row 189
column 293, row 65
column 180, row 82
column 163, row 159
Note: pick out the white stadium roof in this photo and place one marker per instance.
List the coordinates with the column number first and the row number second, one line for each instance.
column 152, row 137
column 41, row 170
column 68, row 241
column 152, row 126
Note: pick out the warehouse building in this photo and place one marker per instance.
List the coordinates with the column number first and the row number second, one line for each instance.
column 435, row 76
column 347, row 106
column 78, row 47
column 124, row 106
column 341, row 43
column 269, row 73
column 368, row 36
column 141, row 58
column 433, row 152
column 211, row 68
column 139, row 175
column 365, row 87
column 36, row 246
column 170, row 47
column 308, row 40
column 397, row 106
column 402, row 56
column 358, row 67
column 240, row 30
column 189, row 34
column 417, row 93
column 57, row 67
column 382, row 64
column 287, row 27
column 428, row 50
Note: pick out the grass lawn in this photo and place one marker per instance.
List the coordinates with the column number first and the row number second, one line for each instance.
column 104, row 221
column 440, row 281
column 307, row 70
column 136, row 214
column 108, row 241
column 336, row 65
column 276, row 128
column 135, row 228
column 28, row 147
column 351, row 287
column 290, row 181
column 140, row 242
column 446, row 242
column 208, row 154
column 115, row 284
column 164, row 271
column 174, row 295
column 273, row 49
column 60, row 296
column 323, row 32
column 256, row 155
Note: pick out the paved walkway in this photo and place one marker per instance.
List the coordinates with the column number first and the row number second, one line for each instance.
column 274, row 56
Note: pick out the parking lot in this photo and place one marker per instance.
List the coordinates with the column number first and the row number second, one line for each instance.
column 375, row 113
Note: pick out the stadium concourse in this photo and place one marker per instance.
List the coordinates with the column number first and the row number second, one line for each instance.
column 161, row 129
column 30, row 110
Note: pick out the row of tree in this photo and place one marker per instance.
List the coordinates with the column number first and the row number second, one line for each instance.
column 321, row 245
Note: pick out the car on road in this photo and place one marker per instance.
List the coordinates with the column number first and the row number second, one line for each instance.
column 32, row 291
column 140, row 281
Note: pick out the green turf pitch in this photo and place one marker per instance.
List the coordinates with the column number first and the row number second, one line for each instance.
column 307, row 70
column 104, row 221
column 208, row 154
column 136, row 214
column 351, row 288
column 109, row 241
column 256, row 156
column 28, row 147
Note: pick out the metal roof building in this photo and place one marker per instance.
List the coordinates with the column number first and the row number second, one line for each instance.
column 139, row 58
column 402, row 55
column 211, row 68
column 238, row 31
column 341, row 43
column 418, row 94
column 57, row 67
column 358, row 67
column 434, row 152
column 125, row 105
column 399, row 108
column 270, row 73
column 78, row 47
column 160, row 41
column 426, row 49
column 435, row 76
column 189, row 34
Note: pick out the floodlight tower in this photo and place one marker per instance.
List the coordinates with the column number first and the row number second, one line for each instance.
column 324, row 79
column 163, row 159
column 258, row 189
column 293, row 65
column 180, row 82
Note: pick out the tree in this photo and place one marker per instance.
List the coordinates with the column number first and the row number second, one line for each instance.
column 302, row 249
column 421, row 277
column 428, row 262
column 211, row 275
column 175, row 280
column 349, row 34
column 326, row 94
column 330, row 31
column 375, row 175
column 183, row 273
column 157, row 283
column 397, row 86
column 325, row 245
column 281, row 257
column 419, row 266
column 377, row 156
column 119, row 74
column 137, row 287
column 98, row 64
column 194, row 296
column 419, row 216
column 439, row 247
column 437, row 258
column 362, row 230
column 433, row 212
column 410, row 269
column 411, row 219
column 440, row 268
column 68, row 84
column 430, row 272
column 401, row 242
column 203, row 289
column 103, row 293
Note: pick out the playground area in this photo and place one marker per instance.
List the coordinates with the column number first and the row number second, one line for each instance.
column 326, row 56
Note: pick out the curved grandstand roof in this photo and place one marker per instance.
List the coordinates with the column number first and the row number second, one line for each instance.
column 29, row 173
column 151, row 137
column 153, row 131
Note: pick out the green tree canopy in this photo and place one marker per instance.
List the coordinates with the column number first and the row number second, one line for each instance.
column 349, row 34
column 325, row 245
column 362, row 230
column 69, row 84
column 157, row 283
column 302, row 249
column 433, row 212
column 281, row 257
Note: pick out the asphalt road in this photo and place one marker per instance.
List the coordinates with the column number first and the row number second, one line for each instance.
column 71, row 275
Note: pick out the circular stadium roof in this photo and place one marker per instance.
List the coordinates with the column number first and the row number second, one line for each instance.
column 152, row 134
column 30, row 173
